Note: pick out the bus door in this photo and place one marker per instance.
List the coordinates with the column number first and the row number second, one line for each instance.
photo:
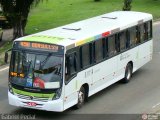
column 70, row 87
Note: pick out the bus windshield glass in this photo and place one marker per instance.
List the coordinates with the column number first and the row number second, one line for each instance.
column 43, row 71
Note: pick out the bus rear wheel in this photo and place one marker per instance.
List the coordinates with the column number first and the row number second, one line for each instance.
column 81, row 98
column 128, row 73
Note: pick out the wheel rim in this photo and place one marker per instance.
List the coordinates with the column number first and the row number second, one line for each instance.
column 81, row 97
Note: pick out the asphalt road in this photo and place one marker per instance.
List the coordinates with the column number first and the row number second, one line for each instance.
column 140, row 95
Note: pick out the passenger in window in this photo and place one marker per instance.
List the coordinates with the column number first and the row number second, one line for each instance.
column 112, row 45
column 137, row 41
column 142, row 33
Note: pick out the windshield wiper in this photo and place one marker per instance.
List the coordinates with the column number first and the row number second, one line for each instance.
column 24, row 58
column 45, row 61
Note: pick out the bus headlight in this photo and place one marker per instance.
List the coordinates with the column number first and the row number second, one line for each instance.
column 57, row 94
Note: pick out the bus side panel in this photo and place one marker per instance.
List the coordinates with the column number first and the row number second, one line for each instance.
column 145, row 53
column 106, row 73
column 103, row 75
column 124, row 58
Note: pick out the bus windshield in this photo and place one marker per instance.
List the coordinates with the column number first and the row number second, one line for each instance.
column 43, row 71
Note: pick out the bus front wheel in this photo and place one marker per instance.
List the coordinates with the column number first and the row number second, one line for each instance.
column 128, row 73
column 81, row 98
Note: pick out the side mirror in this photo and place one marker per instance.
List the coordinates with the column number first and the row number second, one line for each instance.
column 6, row 57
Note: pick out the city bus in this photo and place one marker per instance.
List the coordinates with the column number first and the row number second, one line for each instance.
column 62, row 67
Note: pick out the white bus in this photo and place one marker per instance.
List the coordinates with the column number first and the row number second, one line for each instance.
column 59, row 68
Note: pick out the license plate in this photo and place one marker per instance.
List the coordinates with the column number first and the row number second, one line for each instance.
column 31, row 104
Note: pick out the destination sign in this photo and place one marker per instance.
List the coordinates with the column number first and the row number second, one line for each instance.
column 41, row 46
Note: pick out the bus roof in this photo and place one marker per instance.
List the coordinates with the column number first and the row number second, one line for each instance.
column 84, row 31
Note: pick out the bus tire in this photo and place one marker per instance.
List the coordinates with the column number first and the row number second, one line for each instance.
column 128, row 73
column 81, row 98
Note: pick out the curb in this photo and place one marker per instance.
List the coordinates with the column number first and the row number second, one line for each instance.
column 4, row 66
column 156, row 23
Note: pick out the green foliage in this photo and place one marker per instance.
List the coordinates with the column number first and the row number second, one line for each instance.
column 127, row 5
column 6, row 46
column 97, row 0
column 17, row 12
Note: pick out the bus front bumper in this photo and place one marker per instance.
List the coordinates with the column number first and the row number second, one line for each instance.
column 55, row 105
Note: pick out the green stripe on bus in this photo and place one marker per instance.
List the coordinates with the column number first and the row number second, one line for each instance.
column 81, row 42
column 89, row 39
column 46, row 39
column 40, row 95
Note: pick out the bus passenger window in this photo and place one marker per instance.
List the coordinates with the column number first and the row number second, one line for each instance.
column 104, row 45
column 142, row 32
column 98, row 50
column 145, row 31
column 149, row 25
column 133, row 36
column 85, row 55
column 123, row 40
column 112, row 45
column 150, row 29
column 138, row 35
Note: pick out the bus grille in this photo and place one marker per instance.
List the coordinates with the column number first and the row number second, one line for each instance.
column 33, row 98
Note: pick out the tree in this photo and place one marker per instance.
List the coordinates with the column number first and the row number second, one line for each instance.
column 127, row 5
column 16, row 11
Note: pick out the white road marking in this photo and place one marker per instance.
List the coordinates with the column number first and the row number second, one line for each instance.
column 4, row 69
column 156, row 23
column 156, row 105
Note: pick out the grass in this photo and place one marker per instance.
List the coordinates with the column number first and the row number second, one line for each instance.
column 53, row 13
